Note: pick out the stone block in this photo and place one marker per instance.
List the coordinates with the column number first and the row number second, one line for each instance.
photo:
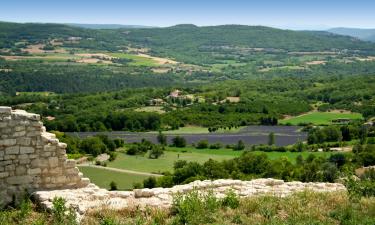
column 19, row 134
column 5, row 110
column 34, row 171
column 4, row 174
column 5, row 162
column 10, row 157
column 8, row 142
column 49, row 148
column 19, row 128
column 53, row 162
column 24, row 161
column 12, row 150
column 26, row 150
column 11, row 167
column 19, row 180
column 20, row 170
column 24, row 141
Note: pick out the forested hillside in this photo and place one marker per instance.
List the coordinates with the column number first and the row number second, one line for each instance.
column 362, row 34
column 199, row 44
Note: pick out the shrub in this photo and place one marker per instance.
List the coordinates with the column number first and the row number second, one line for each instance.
column 230, row 200
column 195, row 208
column 156, row 152
column 162, row 139
column 113, row 186
column 202, row 144
column 137, row 185
column 215, row 146
column 239, row 146
column 179, row 142
column 61, row 215
column 149, row 182
column 119, row 142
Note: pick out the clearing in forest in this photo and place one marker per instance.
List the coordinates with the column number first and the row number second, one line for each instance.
column 320, row 118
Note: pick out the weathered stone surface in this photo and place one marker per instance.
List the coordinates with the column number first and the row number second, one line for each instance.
column 26, row 150
column 12, row 150
column 92, row 197
column 31, row 158
column 5, row 110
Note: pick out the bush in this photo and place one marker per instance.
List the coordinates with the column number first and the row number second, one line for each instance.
column 156, row 152
column 119, row 142
column 179, row 142
column 239, row 146
column 113, row 186
column 61, row 215
column 137, row 185
column 230, row 200
column 149, row 182
column 202, row 144
column 215, row 146
column 195, row 208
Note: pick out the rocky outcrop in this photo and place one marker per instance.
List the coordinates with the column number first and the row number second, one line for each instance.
column 32, row 159
column 92, row 197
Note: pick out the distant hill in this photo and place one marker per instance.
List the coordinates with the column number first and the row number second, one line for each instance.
column 106, row 26
column 199, row 44
column 362, row 34
column 185, row 43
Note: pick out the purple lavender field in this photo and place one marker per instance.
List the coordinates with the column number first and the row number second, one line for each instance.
column 251, row 135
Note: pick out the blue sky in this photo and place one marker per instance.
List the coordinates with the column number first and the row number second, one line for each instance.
column 279, row 13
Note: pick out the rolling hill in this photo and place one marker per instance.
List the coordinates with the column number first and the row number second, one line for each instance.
column 362, row 34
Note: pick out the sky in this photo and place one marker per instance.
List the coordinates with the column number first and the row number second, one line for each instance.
column 291, row 14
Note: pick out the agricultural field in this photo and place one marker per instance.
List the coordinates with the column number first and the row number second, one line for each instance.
column 103, row 178
column 137, row 60
column 166, row 161
column 320, row 118
column 250, row 135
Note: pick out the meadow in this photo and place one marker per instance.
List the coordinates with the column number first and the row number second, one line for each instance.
column 136, row 59
column 320, row 118
column 166, row 161
column 103, row 177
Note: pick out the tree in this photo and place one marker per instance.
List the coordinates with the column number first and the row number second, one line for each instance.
column 162, row 139
column 179, row 142
column 155, row 152
column 239, row 146
column 93, row 146
column 113, row 186
column 202, row 144
column 271, row 139
column 363, row 135
column 149, row 182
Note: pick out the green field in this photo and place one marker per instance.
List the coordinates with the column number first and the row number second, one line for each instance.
column 320, row 118
column 103, row 178
column 165, row 162
column 137, row 60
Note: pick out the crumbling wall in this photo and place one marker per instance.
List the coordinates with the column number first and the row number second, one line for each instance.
column 32, row 159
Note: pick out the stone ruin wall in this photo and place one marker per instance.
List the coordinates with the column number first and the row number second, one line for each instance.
column 32, row 159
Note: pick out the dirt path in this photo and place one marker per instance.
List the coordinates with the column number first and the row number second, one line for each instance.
column 121, row 170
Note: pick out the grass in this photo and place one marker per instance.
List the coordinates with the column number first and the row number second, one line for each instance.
column 166, row 162
column 300, row 208
column 320, row 118
column 103, row 178
column 157, row 109
column 137, row 60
